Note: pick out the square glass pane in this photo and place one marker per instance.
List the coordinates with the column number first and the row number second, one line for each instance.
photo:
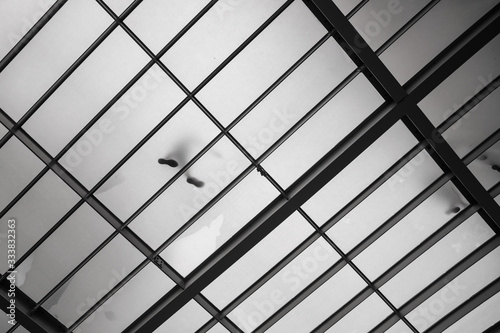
column 220, row 223
column 156, row 22
column 188, row 319
column 37, row 211
column 17, row 18
column 385, row 201
column 18, row 166
column 86, row 91
column 410, row 231
column 323, row 302
column 180, row 139
column 258, row 260
column 181, row 201
column 369, row 165
column 128, row 121
column 461, row 86
column 215, row 36
column 275, row 50
column 284, row 286
column 293, row 98
column 323, row 131
column 438, row 259
column 129, row 302
column 71, row 243
column 456, row 291
column 486, row 167
column 114, row 262
column 45, row 58
column 450, row 18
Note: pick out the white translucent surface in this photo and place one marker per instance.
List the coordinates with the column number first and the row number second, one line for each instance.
column 181, row 201
column 18, row 166
column 450, row 18
column 86, row 91
column 456, row 291
column 370, row 164
column 71, row 243
column 324, row 301
column 258, row 260
column 443, row 255
column 218, row 328
column 37, row 211
column 134, row 115
column 188, row 319
column 118, row 6
column 215, row 36
column 399, row 327
column 129, row 302
column 156, row 22
column 45, row 58
column 284, row 286
column 115, row 261
column 220, row 223
column 385, row 201
column 3, row 130
column 261, row 63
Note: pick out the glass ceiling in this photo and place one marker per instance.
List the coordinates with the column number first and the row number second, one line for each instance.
column 250, row 166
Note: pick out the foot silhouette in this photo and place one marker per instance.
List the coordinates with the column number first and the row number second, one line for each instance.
column 453, row 210
column 195, row 182
column 172, row 163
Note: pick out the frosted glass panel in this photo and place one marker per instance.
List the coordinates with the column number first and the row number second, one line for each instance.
column 188, row 319
column 133, row 116
column 399, row 327
column 86, row 91
column 62, row 40
column 3, row 131
column 18, row 166
column 118, row 6
column 346, row 5
column 218, row 328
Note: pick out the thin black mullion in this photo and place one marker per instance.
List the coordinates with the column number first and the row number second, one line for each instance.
column 357, row 8
column 216, row 314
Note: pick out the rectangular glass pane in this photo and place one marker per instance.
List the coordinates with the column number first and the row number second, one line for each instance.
column 180, row 139
column 118, row 6
column 220, row 223
column 188, row 319
column 369, row 165
column 129, row 302
column 61, row 41
column 284, row 286
column 486, row 167
column 399, row 327
column 261, row 63
column 18, row 166
column 258, row 260
column 86, row 92
column 115, row 261
column 133, row 116
column 443, row 255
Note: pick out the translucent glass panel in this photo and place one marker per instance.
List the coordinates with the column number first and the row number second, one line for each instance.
column 364, row 317
column 486, row 167
column 320, row 133
column 188, row 319
column 475, row 126
column 212, row 39
column 443, row 255
column 378, row 20
column 409, row 232
column 293, row 98
column 399, row 327
column 21, row 329
column 261, row 63
column 71, row 243
column 181, row 201
column 258, row 260
column 4, row 323
column 3, row 131
column 218, row 328
column 460, row 87
column 62, row 40
column 456, row 291
column 18, row 166
column 156, row 22
column 115, row 261
column 133, row 116
column 284, row 286
column 129, row 302
column 346, row 5
column 385, row 201
column 220, row 223
column 450, row 18
column 375, row 160
column 118, row 6
column 323, row 302
column 37, row 211
column 16, row 18
column 181, row 138
column 86, row 91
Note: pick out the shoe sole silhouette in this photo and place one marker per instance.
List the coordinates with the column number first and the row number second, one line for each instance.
column 171, row 163
column 195, row 182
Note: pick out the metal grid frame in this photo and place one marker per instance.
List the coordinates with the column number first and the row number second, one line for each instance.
column 401, row 104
